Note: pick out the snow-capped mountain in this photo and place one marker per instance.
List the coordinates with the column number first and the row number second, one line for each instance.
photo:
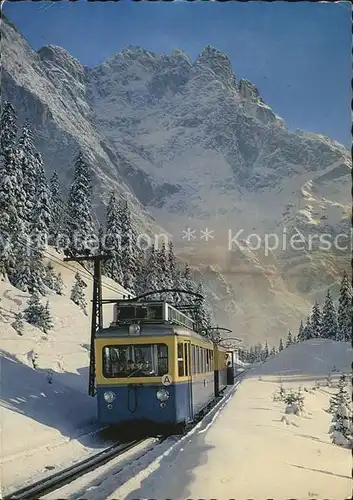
column 194, row 146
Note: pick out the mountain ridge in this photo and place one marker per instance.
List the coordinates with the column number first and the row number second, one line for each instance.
column 191, row 146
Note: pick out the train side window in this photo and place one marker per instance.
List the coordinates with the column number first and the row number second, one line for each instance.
column 207, row 360
column 180, row 360
column 211, row 358
column 193, row 365
column 202, row 360
column 186, row 356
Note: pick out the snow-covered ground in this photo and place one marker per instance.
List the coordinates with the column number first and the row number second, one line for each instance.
column 46, row 425
column 247, row 447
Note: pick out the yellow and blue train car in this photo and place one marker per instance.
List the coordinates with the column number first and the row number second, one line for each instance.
column 157, row 370
column 221, row 356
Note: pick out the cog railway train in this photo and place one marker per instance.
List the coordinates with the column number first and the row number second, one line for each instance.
column 152, row 367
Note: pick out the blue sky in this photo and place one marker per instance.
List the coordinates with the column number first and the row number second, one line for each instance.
column 297, row 54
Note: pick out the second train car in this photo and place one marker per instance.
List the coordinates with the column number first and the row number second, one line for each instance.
column 151, row 366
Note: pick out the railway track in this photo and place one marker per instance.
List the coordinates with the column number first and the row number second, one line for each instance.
column 59, row 479
column 66, row 476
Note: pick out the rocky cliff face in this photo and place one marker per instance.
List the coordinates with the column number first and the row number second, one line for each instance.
column 194, row 147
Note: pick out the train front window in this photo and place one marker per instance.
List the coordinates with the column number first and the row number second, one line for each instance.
column 139, row 360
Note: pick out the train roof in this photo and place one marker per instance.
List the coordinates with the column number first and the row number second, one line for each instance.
column 150, row 330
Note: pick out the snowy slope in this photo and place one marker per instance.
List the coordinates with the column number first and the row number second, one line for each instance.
column 47, row 424
column 193, row 146
column 247, row 447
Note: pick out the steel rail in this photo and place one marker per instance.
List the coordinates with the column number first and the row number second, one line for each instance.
column 66, row 476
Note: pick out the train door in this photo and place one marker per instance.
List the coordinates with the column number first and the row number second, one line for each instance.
column 188, row 373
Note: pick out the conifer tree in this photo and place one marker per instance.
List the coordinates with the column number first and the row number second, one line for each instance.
column 280, row 347
column 113, row 267
column 129, row 251
column 38, row 315
column 329, row 319
column 266, row 351
column 300, row 336
column 29, row 168
column 273, row 351
column 47, row 323
column 201, row 313
column 188, row 284
column 174, row 275
column 77, row 293
column 341, row 430
column 307, row 331
column 289, row 339
column 8, row 131
column 58, row 208
column 59, row 285
column 341, row 397
column 316, row 320
column 12, row 232
column 150, row 280
column 80, row 225
column 345, row 310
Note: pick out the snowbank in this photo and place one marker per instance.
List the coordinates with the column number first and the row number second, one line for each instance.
column 250, row 448
column 37, row 417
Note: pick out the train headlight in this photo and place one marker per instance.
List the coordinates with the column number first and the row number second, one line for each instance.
column 109, row 396
column 162, row 395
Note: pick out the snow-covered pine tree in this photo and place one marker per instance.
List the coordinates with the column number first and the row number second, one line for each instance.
column 201, row 313
column 316, row 320
column 280, row 346
column 188, row 284
column 8, row 131
column 49, row 277
column 307, row 330
column 38, row 315
column 300, row 336
column 266, row 351
column 47, row 323
column 22, row 274
column 258, row 352
column 341, row 397
column 29, row 168
column 174, row 275
column 329, row 325
column 80, row 227
column 112, row 244
column 341, row 430
column 58, row 208
column 289, row 339
column 295, row 340
column 59, row 285
column 345, row 310
column 150, row 280
column 165, row 279
column 77, row 293
column 41, row 214
column 273, row 351
column 129, row 250
column 52, row 281
column 12, row 231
